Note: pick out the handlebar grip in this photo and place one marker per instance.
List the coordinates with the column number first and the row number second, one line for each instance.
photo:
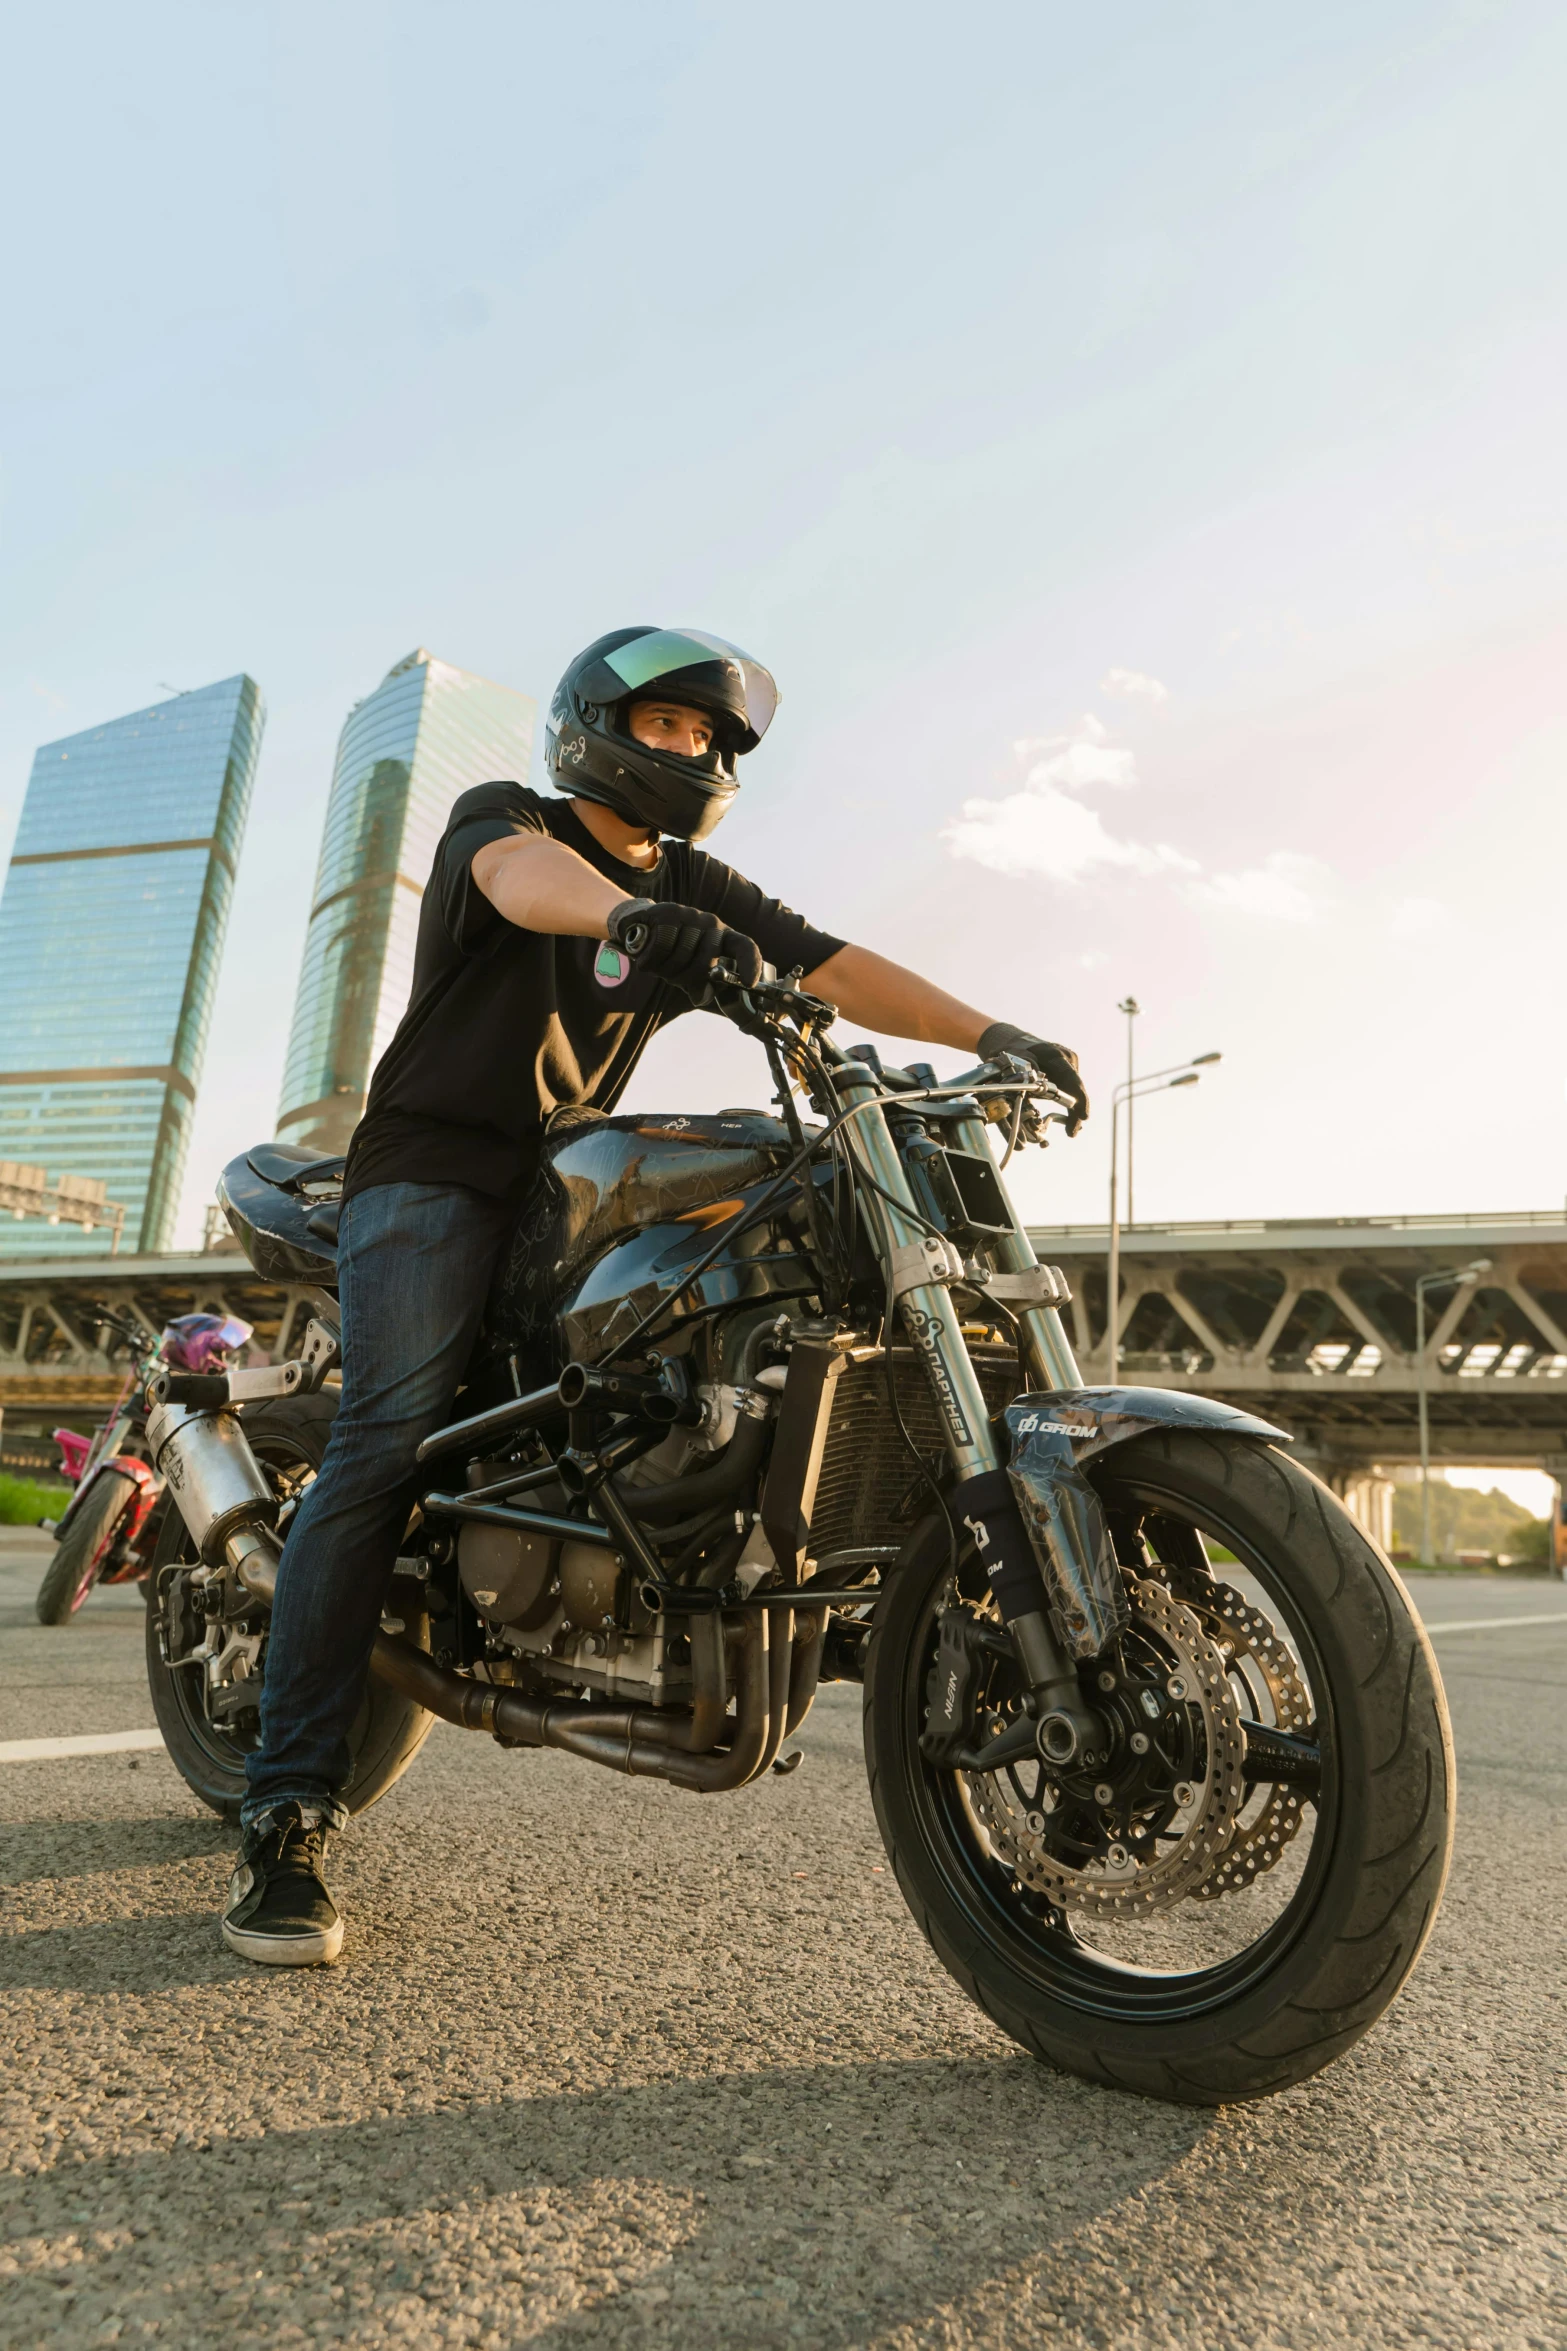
column 633, row 938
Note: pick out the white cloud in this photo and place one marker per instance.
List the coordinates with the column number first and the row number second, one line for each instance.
column 1043, row 831
column 1284, row 888
column 1132, row 686
column 1077, row 761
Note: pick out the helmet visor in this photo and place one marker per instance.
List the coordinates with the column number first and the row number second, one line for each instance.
column 711, row 669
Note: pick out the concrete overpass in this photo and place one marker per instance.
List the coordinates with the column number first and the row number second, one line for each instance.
column 1311, row 1321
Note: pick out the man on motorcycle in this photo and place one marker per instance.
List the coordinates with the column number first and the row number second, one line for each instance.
column 528, row 997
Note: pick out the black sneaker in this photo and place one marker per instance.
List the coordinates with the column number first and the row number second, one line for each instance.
column 278, row 1910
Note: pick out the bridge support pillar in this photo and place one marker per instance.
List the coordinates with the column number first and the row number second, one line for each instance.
column 1365, row 1491
column 1368, row 1497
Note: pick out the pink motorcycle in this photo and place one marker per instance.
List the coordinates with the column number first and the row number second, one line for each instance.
column 110, row 1529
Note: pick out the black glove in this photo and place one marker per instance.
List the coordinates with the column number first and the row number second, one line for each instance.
column 1052, row 1061
column 680, row 943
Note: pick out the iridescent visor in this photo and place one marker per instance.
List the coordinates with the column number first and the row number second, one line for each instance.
column 647, row 659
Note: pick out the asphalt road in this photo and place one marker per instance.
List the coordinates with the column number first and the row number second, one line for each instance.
column 606, row 2065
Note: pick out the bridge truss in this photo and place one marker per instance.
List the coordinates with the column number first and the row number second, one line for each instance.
column 1312, row 1323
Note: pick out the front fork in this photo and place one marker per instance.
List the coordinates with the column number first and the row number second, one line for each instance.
column 1045, row 1342
column 982, row 1495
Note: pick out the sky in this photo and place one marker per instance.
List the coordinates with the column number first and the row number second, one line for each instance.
column 1132, row 436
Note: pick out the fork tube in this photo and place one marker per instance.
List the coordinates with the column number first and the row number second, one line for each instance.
column 1049, row 1349
column 929, row 1315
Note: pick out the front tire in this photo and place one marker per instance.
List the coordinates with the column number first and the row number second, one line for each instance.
column 288, row 1438
column 82, row 1549
column 1336, row 1949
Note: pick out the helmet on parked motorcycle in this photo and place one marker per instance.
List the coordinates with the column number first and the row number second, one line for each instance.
column 592, row 754
column 199, row 1342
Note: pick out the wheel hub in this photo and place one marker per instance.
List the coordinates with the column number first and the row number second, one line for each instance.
column 1141, row 1832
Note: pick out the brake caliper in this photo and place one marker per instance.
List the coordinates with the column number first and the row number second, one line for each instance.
column 952, row 1692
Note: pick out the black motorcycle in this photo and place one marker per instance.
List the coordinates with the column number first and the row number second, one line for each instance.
column 1156, row 1743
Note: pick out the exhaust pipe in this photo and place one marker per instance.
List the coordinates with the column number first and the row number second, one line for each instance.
column 221, row 1491
column 641, row 1740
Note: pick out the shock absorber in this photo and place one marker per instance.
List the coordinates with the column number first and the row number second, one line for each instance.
column 920, row 1266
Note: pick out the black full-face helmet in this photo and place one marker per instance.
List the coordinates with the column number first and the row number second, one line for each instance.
column 592, row 754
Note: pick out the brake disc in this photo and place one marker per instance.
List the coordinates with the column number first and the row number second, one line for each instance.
column 1230, row 1619
column 1203, row 1816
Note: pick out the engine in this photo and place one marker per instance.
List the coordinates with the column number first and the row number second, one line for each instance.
column 568, row 1611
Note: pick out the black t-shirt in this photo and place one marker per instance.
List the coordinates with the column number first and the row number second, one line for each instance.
column 505, row 1026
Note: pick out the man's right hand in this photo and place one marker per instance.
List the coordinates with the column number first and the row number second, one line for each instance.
column 1057, row 1063
column 680, row 943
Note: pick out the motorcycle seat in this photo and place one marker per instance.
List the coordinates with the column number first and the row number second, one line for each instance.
column 293, row 1170
column 287, row 1235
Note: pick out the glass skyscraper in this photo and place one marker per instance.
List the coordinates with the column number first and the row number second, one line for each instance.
column 111, row 931
column 425, row 734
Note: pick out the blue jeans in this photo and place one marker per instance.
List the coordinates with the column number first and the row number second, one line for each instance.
column 414, row 1268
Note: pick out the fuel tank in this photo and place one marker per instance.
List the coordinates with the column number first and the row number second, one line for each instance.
column 621, row 1207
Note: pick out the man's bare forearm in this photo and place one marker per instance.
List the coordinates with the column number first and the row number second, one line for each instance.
column 879, row 995
column 541, row 885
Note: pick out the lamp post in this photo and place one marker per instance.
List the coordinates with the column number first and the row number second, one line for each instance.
column 1465, row 1278
column 1130, row 1006
column 1157, row 1081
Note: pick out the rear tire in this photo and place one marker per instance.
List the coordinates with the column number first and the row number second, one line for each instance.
column 286, row 1436
column 1337, row 1957
column 82, row 1549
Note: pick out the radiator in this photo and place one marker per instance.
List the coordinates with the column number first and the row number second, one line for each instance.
column 870, row 1489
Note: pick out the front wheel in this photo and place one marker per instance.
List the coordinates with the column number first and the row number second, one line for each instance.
column 1174, row 1922
column 210, row 1725
column 82, row 1549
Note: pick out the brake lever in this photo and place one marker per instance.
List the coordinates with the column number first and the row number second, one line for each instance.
column 765, row 1001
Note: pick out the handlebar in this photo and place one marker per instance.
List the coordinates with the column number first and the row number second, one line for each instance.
column 1008, row 1091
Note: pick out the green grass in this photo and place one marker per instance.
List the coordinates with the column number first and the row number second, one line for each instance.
column 1524, row 1567
column 23, row 1504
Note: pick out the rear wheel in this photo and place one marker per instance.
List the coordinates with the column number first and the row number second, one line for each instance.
column 1173, row 1922
column 82, row 1549
column 288, row 1438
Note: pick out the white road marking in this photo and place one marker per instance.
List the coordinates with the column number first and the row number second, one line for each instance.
column 1494, row 1624
column 91, row 1743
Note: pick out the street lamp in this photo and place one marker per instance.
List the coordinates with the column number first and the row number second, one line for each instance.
column 1130, row 1006
column 1465, row 1278
column 1157, row 1081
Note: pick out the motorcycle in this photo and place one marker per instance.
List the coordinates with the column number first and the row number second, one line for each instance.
column 1156, row 1743
column 110, row 1528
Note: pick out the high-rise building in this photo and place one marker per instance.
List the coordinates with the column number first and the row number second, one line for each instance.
column 111, row 931
column 425, row 734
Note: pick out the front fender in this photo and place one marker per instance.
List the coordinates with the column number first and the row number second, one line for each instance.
column 141, row 1484
column 1050, row 1437
column 1096, row 1418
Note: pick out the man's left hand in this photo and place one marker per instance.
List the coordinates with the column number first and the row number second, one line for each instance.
column 1054, row 1062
